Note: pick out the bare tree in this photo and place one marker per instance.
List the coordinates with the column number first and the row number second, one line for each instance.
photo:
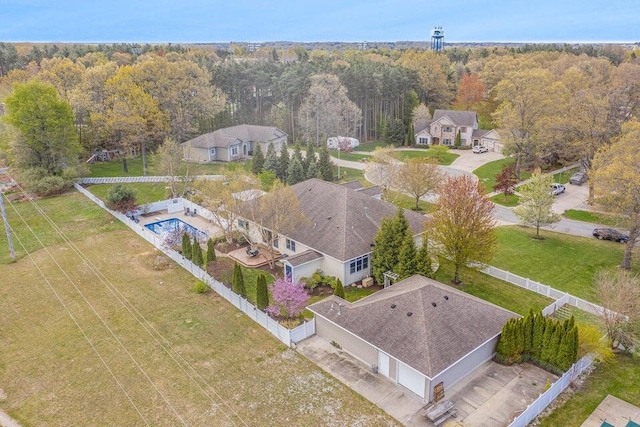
column 169, row 161
column 384, row 167
column 619, row 293
column 419, row 177
column 536, row 202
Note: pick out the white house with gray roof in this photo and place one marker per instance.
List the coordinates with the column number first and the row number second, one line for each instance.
column 337, row 236
column 445, row 125
column 232, row 143
column 422, row 334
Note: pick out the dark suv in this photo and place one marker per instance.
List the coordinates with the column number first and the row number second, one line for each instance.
column 578, row 178
column 610, row 234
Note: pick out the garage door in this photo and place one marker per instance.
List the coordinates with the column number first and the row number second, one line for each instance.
column 411, row 379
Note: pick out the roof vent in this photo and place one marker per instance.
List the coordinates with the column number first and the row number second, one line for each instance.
column 409, row 314
column 393, row 306
column 328, row 217
column 446, row 297
column 434, row 304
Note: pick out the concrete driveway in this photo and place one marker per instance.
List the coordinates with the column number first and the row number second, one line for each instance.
column 470, row 161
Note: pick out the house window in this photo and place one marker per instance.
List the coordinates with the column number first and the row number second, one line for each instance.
column 291, row 245
column 269, row 238
column 446, row 141
column 234, row 151
column 423, row 140
column 447, row 128
column 359, row 264
column 212, row 153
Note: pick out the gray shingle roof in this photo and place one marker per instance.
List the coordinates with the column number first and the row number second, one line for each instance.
column 421, row 125
column 342, row 222
column 460, row 118
column 303, row 258
column 226, row 137
column 432, row 338
column 354, row 185
column 373, row 191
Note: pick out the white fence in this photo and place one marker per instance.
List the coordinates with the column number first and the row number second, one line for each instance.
column 132, row 179
column 287, row 336
column 535, row 408
column 537, row 287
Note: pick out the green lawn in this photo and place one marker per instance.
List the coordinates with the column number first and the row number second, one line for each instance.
column 223, row 272
column 349, row 174
column 50, row 375
column 351, row 293
column 565, row 262
column 408, row 202
column 620, row 378
column 114, row 168
column 444, row 159
column 370, row 146
column 510, row 201
column 496, row 291
column 563, row 177
column 146, row 192
column 593, row 217
column 487, row 172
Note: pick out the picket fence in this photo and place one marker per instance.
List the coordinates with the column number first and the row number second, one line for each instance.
column 287, row 336
column 545, row 399
column 139, row 179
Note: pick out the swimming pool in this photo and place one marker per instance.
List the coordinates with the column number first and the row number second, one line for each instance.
column 173, row 224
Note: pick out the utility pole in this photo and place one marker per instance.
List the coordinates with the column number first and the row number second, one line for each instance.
column 6, row 226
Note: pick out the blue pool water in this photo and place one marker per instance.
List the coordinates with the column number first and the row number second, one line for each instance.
column 172, row 224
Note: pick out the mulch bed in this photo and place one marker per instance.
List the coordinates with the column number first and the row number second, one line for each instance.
column 225, row 247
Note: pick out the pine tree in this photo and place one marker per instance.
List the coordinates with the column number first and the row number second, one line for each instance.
column 283, row 163
column 528, row 332
column 547, row 352
column 565, row 351
column 297, row 154
column 406, row 265
column 519, row 325
column 262, row 293
column 458, row 141
column 338, row 289
column 196, row 253
column 423, row 258
column 237, row 281
column 186, row 246
column 295, row 174
column 211, row 251
column 539, row 324
column 325, row 166
column 271, row 160
column 400, row 230
column 575, row 344
column 556, row 339
column 383, row 258
column 258, row 160
column 411, row 136
column 310, row 158
column 312, row 170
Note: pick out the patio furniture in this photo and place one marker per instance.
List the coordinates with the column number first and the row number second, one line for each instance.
column 252, row 252
column 187, row 211
column 441, row 412
column 194, row 212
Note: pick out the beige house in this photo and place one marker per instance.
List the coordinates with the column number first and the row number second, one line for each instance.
column 445, row 125
column 337, row 237
column 232, row 143
column 422, row 334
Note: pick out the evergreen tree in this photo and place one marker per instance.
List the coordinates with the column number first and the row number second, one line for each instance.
column 383, row 257
column 395, row 133
column 262, row 293
column 310, row 158
column 406, row 265
column 186, row 246
column 237, row 281
column 196, row 253
column 575, row 344
column 411, row 136
column 528, row 332
column 458, row 141
column 312, row 171
column 271, row 160
column 338, row 289
column 295, row 174
column 518, row 326
column 400, row 230
column 258, row 160
column 325, row 166
column 537, row 340
column 297, row 154
column 283, row 163
column 556, row 339
column 423, row 259
column 565, row 350
column 547, row 352
column 211, row 251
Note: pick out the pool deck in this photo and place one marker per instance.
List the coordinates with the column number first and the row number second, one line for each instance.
column 614, row 411
column 197, row 221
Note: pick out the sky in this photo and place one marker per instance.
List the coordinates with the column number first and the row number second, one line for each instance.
column 184, row 21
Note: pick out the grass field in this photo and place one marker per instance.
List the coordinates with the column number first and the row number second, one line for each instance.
column 147, row 192
column 620, row 378
column 487, row 172
column 563, row 177
column 370, row 146
column 177, row 355
column 444, row 159
column 350, row 174
column 510, row 201
column 114, row 168
column 408, row 202
column 562, row 261
column 593, row 217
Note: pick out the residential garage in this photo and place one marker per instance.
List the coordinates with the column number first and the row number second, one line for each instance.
column 419, row 333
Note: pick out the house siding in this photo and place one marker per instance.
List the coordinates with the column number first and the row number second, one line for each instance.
column 196, row 154
column 350, row 343
column 306, row 270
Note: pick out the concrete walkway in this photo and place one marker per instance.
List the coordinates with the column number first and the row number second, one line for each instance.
column 615, row 411
column 402, row 405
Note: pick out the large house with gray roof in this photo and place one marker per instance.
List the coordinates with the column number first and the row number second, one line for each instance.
column 445, row 125
column 422, row 334
column 232, row 143
column 337, row 236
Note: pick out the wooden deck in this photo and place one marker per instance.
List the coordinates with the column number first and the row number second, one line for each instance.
column 263, row 257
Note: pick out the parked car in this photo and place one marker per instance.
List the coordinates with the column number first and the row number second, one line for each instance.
column 578, row 178
column 610, row 234
column 557, row 189
column 480, row 149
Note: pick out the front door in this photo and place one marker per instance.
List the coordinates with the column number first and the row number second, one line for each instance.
column 435, row 141
column 288, row 271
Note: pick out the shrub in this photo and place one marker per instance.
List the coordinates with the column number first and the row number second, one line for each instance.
column 121, row 198
column 186, row 246
column 211, row 251
column 289, row 299
column 200, row 287
column 196, row 253
column 39, row 182
column 237, row 281
column 338, row 289
column 262, row 293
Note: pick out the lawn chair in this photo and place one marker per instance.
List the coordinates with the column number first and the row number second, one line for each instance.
column 194, row 212
column 187, row 212
column 251, row 252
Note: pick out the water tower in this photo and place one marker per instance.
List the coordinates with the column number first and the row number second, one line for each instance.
column 437, row 39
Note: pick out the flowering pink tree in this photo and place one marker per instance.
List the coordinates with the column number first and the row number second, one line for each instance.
column 289, row 299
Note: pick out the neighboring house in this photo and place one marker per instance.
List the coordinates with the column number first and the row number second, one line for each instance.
column 232, row 143
column 422, row 334
column 445, row 125
column 337, row 236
